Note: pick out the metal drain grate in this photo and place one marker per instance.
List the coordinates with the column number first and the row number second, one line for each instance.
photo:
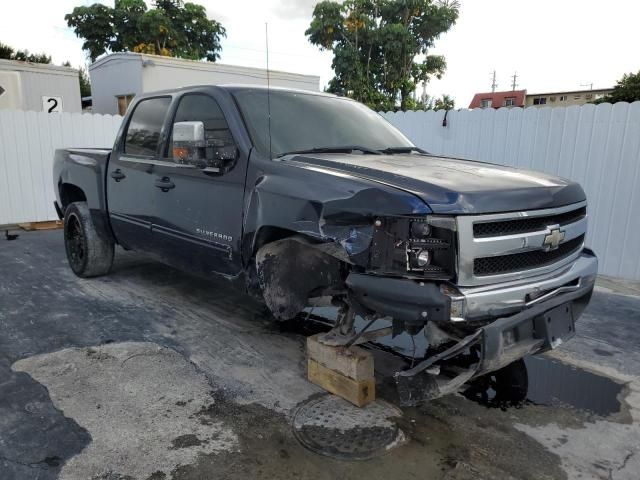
column 331, row 426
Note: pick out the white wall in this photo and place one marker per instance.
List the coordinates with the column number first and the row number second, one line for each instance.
column 115, row 75
column 597, row 146
column 27, row 144
column 11, row 97
column 26, row 83
column 36, row 85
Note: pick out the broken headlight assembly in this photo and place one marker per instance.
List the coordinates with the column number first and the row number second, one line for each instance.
column 420, row 247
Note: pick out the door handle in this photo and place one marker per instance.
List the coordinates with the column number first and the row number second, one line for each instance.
column 117, row 175
column 165, row 184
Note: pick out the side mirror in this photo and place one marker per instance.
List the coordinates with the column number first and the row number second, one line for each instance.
column 189, row 144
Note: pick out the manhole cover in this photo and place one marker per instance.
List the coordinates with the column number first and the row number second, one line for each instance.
column 333, row 427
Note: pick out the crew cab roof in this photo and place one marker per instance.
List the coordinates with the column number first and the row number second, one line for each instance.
column 232, row 88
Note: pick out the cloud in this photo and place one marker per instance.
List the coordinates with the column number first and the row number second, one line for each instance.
column 218, row 15
column 295, row 9
column 47, row 30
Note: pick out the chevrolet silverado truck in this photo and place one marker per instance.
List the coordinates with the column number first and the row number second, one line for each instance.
column 304, row 199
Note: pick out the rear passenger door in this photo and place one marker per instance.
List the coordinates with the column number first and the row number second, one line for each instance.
column 198, row 218
column 129, row 182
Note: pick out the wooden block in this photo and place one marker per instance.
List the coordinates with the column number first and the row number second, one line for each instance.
column 47, row 225
column 353, row 362
column 360, row 393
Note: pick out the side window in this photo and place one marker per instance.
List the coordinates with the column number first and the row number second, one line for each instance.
column 143, row 133
column 203, row 108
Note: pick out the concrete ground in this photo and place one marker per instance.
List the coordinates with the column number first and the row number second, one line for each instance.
column 152, row 374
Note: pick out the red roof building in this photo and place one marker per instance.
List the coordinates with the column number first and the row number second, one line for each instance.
column 512, row 98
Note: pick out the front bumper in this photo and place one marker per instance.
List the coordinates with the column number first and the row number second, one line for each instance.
column 534, row 330
column 498, row 300
column 513, row 320
column 412, row 303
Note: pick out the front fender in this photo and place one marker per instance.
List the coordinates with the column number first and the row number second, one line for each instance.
column 325, row 207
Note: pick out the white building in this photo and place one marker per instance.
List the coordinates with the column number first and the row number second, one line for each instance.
column 118, row 77
column 38, row 87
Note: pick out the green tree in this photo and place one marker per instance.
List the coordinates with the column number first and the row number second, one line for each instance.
column 171, row 28
column 380, row 47
column 444, row 103
column 427, row 102
column 626, row 90
column 85, row 83
column 8, row 53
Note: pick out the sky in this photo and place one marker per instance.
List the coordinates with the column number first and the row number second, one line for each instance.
column 551, row 44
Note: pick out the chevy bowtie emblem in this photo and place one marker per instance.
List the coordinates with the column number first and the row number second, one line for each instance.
column 553, row 239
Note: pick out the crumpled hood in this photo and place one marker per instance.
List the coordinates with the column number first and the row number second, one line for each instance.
column 449, row 185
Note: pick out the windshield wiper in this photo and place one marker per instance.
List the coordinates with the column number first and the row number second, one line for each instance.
column 392, row 150
column 341, row 149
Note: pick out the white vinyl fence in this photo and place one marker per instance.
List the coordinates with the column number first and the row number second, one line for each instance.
column 27, row 143
column 595, row 145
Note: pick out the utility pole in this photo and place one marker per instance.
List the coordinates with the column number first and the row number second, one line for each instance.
column 514, row 82
column 494, row 85
column 590, row 85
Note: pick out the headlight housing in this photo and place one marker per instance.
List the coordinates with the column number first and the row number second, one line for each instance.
column 422, row 247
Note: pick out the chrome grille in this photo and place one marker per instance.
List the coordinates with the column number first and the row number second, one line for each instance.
column 523, row 225
column 503, row 247
column 521, row 261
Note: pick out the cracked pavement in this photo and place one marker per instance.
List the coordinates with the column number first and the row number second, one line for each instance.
column 149, row 373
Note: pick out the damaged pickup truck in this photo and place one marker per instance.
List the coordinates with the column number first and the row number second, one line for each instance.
column 301, row 198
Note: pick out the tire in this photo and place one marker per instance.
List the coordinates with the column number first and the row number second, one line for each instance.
column 88, row 254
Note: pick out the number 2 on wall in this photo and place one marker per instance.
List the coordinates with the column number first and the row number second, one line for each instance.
column 53, row 102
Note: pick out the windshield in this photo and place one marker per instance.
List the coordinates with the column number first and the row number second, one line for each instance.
column 302, row 121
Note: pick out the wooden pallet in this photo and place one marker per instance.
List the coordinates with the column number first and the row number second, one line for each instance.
column 345, row 372
column 47, row 225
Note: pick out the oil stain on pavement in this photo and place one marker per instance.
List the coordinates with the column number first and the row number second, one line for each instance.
column 540, row 380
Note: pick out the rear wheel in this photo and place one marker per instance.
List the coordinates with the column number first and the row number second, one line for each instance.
column 89, row 255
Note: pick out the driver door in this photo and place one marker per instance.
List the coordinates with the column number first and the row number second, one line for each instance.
column 198, row 219
column 129, row 182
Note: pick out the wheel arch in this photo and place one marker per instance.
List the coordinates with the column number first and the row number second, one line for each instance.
column 70, row 193
column 293, row 269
